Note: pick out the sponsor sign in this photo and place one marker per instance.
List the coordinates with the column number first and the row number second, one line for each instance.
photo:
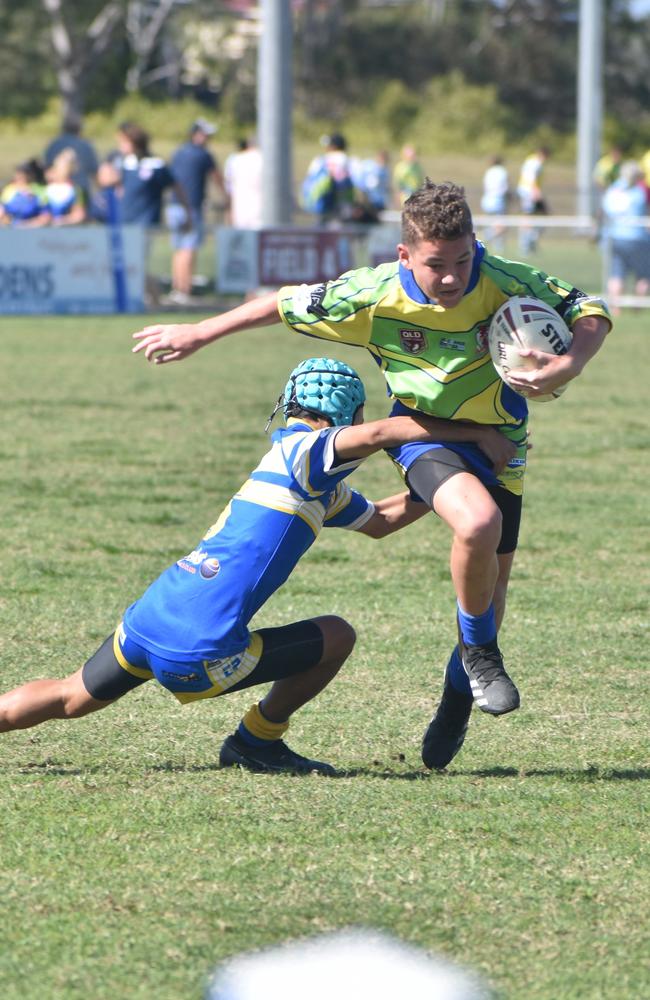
column 69, row 270
column 382, row 243
column 256, row 258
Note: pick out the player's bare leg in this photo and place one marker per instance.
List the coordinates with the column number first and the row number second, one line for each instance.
column 42, row 700
column 471, row 513
column 182, row 270
column 481, row 578
column 257, row 744
column 291, row 693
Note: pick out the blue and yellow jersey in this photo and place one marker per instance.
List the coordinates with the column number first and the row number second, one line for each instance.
column 22, row 204
column 434, row 360
column 200, row 607
column 62, row 197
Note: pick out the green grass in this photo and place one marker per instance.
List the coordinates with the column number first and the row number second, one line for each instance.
column 131, row 865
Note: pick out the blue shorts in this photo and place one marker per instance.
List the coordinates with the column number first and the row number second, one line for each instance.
column 190, row 239
column 511, row 478
column 120, row 664
column 630, row 257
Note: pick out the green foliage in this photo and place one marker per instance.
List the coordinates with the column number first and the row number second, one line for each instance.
column 395, row 108
column 455, row 114
column 166, row 121
column 25, row 55
column 131, row 865
column 515, row 64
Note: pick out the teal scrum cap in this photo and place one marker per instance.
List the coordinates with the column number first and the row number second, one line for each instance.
column 325, row 387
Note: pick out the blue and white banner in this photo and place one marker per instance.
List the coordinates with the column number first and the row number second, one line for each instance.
column 71, row 270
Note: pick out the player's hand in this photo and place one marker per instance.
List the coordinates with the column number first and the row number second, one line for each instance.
column 545, row 373
column 498, row 448
column 167, row 342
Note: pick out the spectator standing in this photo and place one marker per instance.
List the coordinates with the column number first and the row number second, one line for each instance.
column 644, row 163
column 372, row 178
column 408, row 174
column 494, row 200
column 243, row 184
column 608, row 168
column 531, row 197
column 192, row 166
column 328, row 190
column 23, row 201
column 627, row 242
column 87, row 163
column 140, row 178
column 66, row 200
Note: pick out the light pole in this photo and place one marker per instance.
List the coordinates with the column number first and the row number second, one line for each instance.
column 589, row 101
column 274, row 110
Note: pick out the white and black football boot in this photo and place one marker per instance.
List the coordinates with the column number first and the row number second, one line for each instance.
column 492, row 689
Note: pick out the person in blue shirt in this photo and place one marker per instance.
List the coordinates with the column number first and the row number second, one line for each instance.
column 139, row 177
column 86, row 163
column 626, row 237
column 372, row 178
column 190, row 629
column 192, row 166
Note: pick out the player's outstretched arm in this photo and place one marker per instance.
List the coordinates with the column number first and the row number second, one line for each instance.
column 165, row 342
column 551, row 371
column 361, row 440
column 393, row 513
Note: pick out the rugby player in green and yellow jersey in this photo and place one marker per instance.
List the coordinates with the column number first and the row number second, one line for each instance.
column 424, row 318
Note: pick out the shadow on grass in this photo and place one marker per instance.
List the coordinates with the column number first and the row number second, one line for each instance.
column 586, row 775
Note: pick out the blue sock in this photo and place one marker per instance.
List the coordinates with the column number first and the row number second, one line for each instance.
column 477, row 630
column 456, row 674
column 246, row 735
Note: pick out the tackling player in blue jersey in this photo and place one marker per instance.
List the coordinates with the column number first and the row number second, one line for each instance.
column 189, row 630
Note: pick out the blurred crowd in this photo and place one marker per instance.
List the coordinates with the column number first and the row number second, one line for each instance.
column 69, row 185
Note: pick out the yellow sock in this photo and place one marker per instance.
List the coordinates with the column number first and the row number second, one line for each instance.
column 259, row 727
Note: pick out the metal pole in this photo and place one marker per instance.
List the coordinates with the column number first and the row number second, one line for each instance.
column 274, row 110
column 589, row 101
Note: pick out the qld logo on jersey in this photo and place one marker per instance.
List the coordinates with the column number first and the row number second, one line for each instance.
column 413, row 341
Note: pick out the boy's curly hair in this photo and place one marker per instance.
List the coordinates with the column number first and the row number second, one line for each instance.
column 436, row 212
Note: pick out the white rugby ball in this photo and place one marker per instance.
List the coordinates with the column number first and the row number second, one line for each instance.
column 523, row 323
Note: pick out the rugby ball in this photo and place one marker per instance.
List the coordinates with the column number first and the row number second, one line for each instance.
column 521, row 324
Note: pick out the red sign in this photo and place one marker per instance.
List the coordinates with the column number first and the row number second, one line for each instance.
column 294, row 257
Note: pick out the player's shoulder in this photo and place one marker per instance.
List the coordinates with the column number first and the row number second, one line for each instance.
column 498, row 269
column 372, row 281
column 297, row 432
column 354, row 290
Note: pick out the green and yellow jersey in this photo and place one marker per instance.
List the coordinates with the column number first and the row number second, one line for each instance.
column 436, row 360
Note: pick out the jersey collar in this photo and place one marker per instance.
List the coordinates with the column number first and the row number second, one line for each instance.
column 413, row 290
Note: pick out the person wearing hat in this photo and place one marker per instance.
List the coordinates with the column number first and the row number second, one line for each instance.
column 192, row 166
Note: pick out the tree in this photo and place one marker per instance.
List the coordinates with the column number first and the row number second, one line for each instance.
column 79, row 51
column 145, row 23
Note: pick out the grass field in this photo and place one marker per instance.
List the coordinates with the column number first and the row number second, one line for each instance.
column 131, row 864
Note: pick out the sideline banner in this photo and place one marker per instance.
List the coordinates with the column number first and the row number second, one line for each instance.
column 251, row 258
column 70, row 270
